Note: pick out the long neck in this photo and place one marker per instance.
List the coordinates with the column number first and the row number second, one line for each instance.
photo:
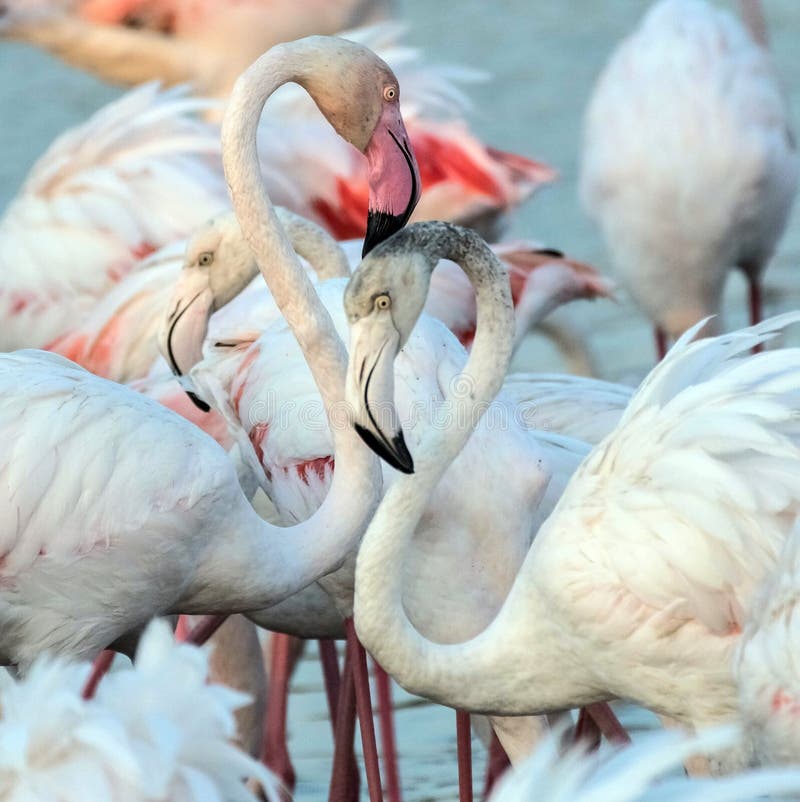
column 112, row 52
column 753, row 17
column 321, row 542
column 464, row 674
column 315, row 245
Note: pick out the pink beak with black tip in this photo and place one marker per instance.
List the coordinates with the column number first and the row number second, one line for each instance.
column 394, row 185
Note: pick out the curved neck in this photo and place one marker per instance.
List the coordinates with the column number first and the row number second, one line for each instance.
column 443, row 672
column 290, row 286
column 315, row 245
column 319, row 544
column 753, row 17
column 112, row 52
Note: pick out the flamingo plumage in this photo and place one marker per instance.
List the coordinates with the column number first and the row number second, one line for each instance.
column 653, row 551
column 689, row 163
column 766, row 663
column 638, row 773
column 104, row 195
column 154, row 731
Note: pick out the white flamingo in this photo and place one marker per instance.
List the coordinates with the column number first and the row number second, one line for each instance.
column 103, row 195
column 689, row 163
column 637, row 773
column 653, row 551
column 118, row 338
column 274, row 406
column 175, row 502
column 152, row 732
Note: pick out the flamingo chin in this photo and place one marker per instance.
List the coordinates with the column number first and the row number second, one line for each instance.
column 374, row 344
column 394, row 183
column 182, row 334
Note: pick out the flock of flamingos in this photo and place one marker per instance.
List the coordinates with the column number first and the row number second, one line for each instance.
column 184, row 434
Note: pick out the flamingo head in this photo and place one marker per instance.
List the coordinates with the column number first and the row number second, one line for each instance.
column 217, row 266
column 360, row 96
column 383, row 301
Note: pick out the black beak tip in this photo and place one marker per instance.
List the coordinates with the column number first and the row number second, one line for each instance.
column 398, row 455
column 381, row 226
column 198, row 402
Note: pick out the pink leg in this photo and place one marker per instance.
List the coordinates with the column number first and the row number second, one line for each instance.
column 661, row 343
column 100, row 668
column 464, row 750
column 333, row 685
column 275, row 752
column 205, row 629
column 586, row 730
column 755, row 307
column 365, row 715
column 755, row 301
column 345, row 782
column 596, row 720
column 608, row 723
column 383, row 689
column 496, row 764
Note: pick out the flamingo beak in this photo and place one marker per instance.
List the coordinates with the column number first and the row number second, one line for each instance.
column 370, row 391
column 184, row 329
column 394, row 184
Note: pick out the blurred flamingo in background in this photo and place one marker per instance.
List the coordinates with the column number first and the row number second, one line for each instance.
column 689, row 163
column 104, row 195
column 306, row 167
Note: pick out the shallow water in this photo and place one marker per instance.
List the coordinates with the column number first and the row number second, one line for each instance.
column 543, row 56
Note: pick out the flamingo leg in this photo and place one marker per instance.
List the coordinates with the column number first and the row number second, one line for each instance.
column 100, row 668
column 756, row 301
column 383, row 690
column 464, row 750
column 756, row 308
column 586, row 730
column 345, row 781
column 661, row 342
column 597, row 720
column 201, row 632
column 333, row 684
column 275, row 752
column 496, row 764
column 365, row 715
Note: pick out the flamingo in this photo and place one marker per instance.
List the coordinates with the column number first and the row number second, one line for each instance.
column 654, row 549
column 175, row 502
column 689, row 163
column 636, row 773
column 308, row 169
column 118, row 338
column 104, row 195
column 765, row 664
column 154, row 731
column 274, row 408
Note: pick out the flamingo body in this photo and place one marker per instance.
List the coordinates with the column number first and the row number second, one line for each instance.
column 689, row 164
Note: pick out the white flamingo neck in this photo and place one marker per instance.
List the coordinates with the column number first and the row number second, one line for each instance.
column 321, row 543
column 463, row 674
column 289, row 284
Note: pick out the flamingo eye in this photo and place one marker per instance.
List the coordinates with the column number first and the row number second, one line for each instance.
column 205, row 259
column 383, row 302
column 390, row 93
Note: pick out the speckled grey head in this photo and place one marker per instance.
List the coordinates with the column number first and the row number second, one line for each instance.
column 383, row 301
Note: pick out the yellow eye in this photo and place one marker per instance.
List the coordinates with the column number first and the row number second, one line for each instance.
column 205, row 259
column 383, row 302
column 390, row 93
